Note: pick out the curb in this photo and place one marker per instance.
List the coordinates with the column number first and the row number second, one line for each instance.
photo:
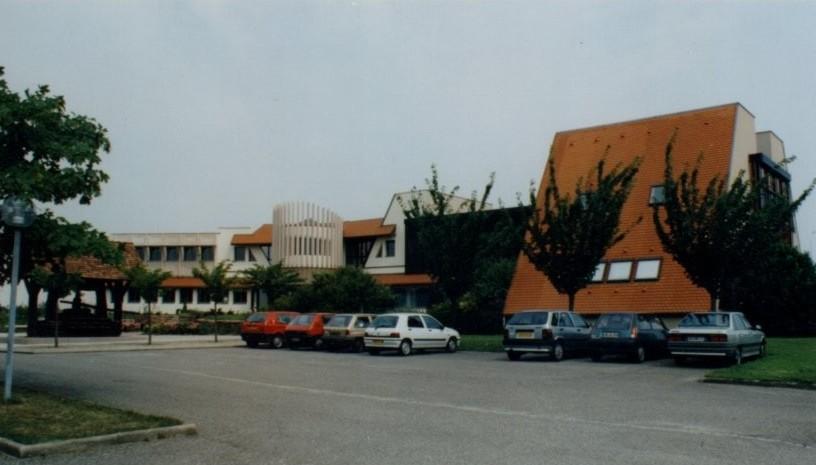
column 757, row 382
column 21, row 349
column 18, row 450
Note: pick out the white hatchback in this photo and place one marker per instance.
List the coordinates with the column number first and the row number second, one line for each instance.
column 405, row 332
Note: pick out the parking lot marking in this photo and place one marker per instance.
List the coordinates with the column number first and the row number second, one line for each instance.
column 685, row 429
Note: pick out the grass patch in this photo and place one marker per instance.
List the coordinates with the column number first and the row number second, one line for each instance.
column 789, row 362
column 33, row 417
column 481, row 343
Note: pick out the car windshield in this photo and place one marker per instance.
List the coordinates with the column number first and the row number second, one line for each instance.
column 303, row 320
column 614, row 322
column 529, row 318
column 256, row 318
column 385, row 321
column 705, row 320
column 339, row 320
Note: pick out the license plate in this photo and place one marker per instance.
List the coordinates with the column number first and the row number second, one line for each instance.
column 377, row 342
column 610, row 335
column 524, row 334
column 696, row 339
column 295, row 339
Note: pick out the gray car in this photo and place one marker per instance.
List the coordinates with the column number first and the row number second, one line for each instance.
column 716, row 334
column 551, row 332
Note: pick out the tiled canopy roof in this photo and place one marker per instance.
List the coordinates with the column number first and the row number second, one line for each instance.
column 367, row 228
column 261, row 236
column 93, row 268
column 403, row 279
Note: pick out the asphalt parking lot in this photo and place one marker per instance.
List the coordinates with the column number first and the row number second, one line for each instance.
column 264, row 406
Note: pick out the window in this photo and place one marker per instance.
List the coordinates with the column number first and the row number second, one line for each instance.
column 643, row 323
column 599, row 272
column 579, row 321
column 619, row 271
column 171, row 254
column 385, row 321
column 362, row 322
column 239, row 296
column 203, row 296
column 239, row 253
column 185, row 296
column 155, row 254
column 169, row 296
column 528, row 318
column 250, row 255
column 207, row 253
column 190, row 254
column 647, row 269
column 415, row 322
column 564, row 320
column 140, row 251
column 390, row 248
column 133, row 296
column 657, row 196
column 432, row 323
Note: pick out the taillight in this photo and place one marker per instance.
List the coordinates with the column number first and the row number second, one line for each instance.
column 633, row 334
column 718, row 338
column 395, row 335
column 546, row 334
column 675, row 338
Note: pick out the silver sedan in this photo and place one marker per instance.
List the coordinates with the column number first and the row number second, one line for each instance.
column 716, row 334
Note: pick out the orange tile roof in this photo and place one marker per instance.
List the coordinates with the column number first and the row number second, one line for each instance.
column 367, row 228
column 403, row 279
column 93, row 268
column 261, row 236
column 575, row 153
column 183, row 281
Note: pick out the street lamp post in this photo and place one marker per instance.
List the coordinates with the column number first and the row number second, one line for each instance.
column 17, row 214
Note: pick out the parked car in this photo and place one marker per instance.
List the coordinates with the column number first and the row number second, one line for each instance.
column 636, row 336
column 346, row 330
column 716, row 334
column 552, row 332
column 266, row 327
column 406, row 332
column 306, row 330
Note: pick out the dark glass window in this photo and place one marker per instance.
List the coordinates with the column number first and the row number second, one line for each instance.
column 432, row 322
column 203, row 296
column 169, row 296
column 579, row 321
column 390, row 248
column 564, row 320
column 190, row 254
column 239, row 296
column 172, row 254
column 415, row 322
column 528, row 318
column 385, row 321
column 140, row 251
column 207, row 253
column 239, row 253
column 133, row 296
column 657, row 196
column 185, row 296
column 155, row 254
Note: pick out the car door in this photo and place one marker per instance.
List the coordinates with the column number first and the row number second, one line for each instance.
column 436, row 332
column 752, row 338
column 582, row 331
column 417, row 332
column 566, row 330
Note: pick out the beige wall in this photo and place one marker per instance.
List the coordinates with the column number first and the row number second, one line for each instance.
column 745, row 143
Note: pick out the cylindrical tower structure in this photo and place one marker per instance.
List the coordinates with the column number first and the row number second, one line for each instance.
column 307, row 236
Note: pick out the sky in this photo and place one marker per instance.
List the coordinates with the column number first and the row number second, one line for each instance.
column 218, row 111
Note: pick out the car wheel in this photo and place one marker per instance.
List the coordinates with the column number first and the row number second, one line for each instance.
column 596, row 356
column 358, row 345
column 738, row 356
column 252, row 344
column 640, row 354
column 373, row 351
column 452, row 345
column 763, row 349
column 277, row 342
column 514, row 356
column 405, row 348
column 558, row 352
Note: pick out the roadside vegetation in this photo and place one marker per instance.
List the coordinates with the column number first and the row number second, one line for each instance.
column 790, row 362
column 33, row 417
column 481, row 343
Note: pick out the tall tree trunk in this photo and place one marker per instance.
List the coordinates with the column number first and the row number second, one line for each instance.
column 714, row 302
column 149, row 325
column 215, row 321
column 33, row 310
column 571, row 301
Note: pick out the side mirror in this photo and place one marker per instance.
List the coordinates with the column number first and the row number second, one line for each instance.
column 758, row 327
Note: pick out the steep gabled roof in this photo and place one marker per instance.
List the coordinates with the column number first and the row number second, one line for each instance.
column 261, row 236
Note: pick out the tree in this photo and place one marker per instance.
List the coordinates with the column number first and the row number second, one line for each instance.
column 346, row 290
column 716, row 233
column 274, row 280
column 148, row 284
column 567, row 236
column 458, row 237
column 217, row 284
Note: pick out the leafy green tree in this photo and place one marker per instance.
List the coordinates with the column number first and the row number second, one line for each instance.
column 148, row 284
column 456, row 239
column 347, row 290
column 717, row 232
column 273, row 280
column 50, row 156
column 567, row 236
column 217, row 283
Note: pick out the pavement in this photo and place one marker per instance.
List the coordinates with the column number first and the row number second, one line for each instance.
column 283, row 407
column 125, row 343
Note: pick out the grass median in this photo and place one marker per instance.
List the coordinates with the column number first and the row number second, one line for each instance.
column 34, row 417
column 789, row 362
column 481, row 343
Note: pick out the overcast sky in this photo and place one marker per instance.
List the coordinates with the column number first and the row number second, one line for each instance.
column 219, row 111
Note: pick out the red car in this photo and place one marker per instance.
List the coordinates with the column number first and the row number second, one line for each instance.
column 266, row 327
column 307, row 330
